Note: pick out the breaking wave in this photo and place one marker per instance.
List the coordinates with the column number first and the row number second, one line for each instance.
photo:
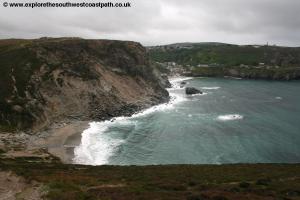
column 210, row 88
column 230, row 117
column 97, row 144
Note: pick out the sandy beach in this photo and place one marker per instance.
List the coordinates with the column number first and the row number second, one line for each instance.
column 61, row 141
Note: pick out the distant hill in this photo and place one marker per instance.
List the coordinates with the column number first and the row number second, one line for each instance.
column 219, row 59
column 226, row 54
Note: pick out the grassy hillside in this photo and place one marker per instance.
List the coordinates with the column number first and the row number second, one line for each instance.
column 191, row 182
column 281, row 73
column 226, row 54
column 218, row 60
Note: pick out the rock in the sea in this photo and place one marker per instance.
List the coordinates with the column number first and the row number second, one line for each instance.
column 182, row 84
column 192, row 90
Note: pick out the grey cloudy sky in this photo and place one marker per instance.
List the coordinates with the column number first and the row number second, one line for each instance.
column 154, row 22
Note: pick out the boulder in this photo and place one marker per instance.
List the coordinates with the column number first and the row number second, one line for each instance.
column 182, row 84
column 192, row 90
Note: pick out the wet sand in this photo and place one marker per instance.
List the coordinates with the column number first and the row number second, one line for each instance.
column 62, row 140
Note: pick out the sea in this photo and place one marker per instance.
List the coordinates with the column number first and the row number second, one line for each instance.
column 233, row 121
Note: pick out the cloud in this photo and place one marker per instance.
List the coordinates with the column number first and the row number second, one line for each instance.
column 162, row 21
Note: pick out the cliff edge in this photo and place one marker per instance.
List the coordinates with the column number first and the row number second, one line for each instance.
column 48, row 80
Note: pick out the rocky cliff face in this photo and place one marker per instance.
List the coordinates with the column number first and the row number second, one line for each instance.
column 47, row 80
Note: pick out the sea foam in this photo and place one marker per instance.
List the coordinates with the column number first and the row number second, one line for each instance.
column 97, row 146
column 210, row 88
column 230, row 117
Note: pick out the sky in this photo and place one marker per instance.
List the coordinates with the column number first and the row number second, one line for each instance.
column 158, row 22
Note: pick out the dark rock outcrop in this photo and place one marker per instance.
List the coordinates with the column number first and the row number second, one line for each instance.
column 47, row 80
column 192, row 90
column 182, row 84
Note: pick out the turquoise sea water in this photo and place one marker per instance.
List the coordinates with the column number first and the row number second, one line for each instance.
column 234, row 121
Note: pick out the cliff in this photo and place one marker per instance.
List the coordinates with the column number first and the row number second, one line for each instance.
column 48, row 80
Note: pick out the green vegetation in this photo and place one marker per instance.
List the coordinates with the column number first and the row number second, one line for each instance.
column 7, row 128
column 17, row 62
column 218, row 60
column 226, row 54
column 261, row 181
column 282, row 73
